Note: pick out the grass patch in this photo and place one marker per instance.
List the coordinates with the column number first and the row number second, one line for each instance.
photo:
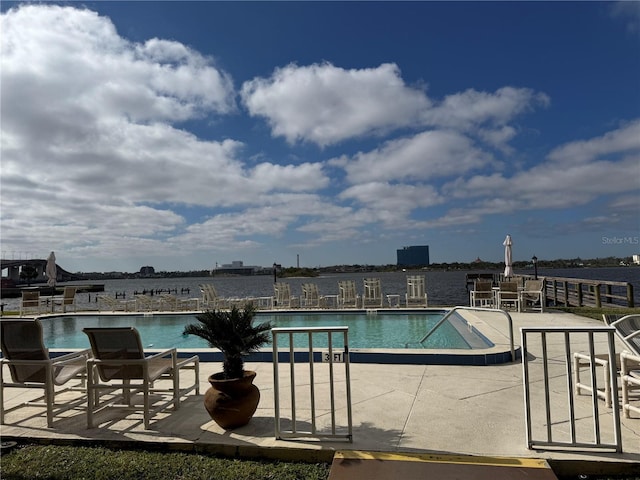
column 52, row 462
column 593, row 312
column 55, row 462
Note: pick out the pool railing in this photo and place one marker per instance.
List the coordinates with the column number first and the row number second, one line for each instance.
column 479, row 309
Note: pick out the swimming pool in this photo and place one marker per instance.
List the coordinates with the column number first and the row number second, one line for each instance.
column 381, row 330
column 387, row 336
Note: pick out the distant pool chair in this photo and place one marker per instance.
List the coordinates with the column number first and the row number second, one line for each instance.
column 119, row 363
column 173, row 303
column 210, row 299
column 108, row 303
column 32, row 303
column 66, row 301
column 372, row 296
column 508, row 295
column 146, row 303
column 482, row 294
column 347, row 296
column 416, row 295
column 30, row 366
column 282, row 295
column 310, row 296
column 532, row 296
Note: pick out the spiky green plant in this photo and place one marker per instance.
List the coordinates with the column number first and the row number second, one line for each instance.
column 233, row 333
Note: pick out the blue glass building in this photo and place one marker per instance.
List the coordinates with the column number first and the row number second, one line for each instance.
column 416, row 256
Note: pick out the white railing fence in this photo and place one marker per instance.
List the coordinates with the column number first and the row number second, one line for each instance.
column 552, row 358
column 316, row 391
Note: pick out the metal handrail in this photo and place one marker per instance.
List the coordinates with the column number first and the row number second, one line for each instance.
column 572, row 390
column 478, row 309
column 314, row 433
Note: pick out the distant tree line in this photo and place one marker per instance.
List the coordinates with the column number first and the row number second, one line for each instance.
column 315, row 271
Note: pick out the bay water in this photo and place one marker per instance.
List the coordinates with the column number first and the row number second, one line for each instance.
column 444, row 288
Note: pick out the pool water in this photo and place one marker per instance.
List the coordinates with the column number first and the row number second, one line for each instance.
column 391, row 330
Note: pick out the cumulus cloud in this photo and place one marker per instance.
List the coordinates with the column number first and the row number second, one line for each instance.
column 427, row 155
column 75, row 62
column 572, row 175
column 472, row 108
column 89, row 132
column 623, row 140
column 325, row 104
column 391, row 204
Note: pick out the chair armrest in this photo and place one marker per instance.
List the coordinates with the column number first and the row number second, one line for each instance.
column 116, row 361
column 619, row 320
column 632, row 335
column 155, row 356
column 186, row 361
column 57, row 361
column 18, row 361
column 628, row 362
column 70, row 357
column 632, row 357
column 599, row 359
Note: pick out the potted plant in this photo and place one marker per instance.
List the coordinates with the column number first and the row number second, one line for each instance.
column 232, row 399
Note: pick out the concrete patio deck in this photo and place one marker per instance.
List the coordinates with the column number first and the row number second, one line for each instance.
column 440, row 409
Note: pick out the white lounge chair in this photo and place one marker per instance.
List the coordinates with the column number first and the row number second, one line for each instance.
column 347, row 296
column 372, row 296
column 169, row 302
column 628, row 331
column 416, row 292
column 283, row 298
column 627, row 363
column 108, row 303
column 146, row 303
column 310, row 296
column 210, row 299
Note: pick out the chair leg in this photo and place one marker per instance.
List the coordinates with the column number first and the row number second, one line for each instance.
column 146, row 404
column 49, row 394
column 49, row 398
column 196, row 370
column 1, row 394
column 91, row 396
column 126, row 391
column 576, row 374
column 176, row 388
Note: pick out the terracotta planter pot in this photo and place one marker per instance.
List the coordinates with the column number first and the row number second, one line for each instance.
column 232, row 402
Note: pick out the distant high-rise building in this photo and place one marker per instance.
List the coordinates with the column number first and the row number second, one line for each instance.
column 147, row 271
column 415, row 256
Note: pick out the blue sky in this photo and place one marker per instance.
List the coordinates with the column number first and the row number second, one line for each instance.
column 181, row 134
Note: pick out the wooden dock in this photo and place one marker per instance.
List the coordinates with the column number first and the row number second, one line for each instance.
column 15, row 292
column 580, row 292
column 572, row 292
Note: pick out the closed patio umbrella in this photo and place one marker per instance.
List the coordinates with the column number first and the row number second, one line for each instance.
column 508, row 268
column 51, row 270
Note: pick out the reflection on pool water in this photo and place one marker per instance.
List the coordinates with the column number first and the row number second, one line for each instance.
column 382, row 330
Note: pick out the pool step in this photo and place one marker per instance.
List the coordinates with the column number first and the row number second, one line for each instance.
column 361, row 465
